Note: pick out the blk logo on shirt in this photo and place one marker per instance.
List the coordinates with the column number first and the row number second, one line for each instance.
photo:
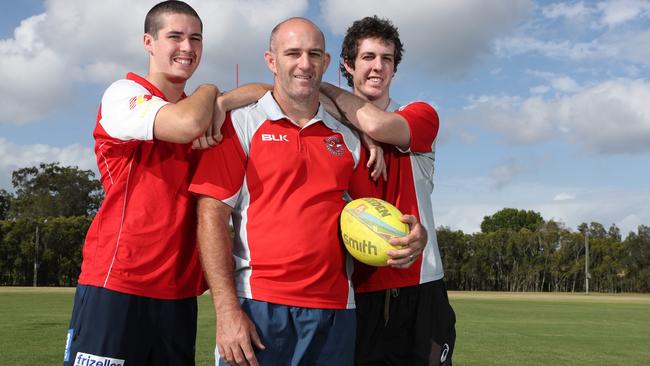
column 277, row 138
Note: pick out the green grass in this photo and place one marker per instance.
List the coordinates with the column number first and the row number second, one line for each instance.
column 493, row 328
column 543, row 329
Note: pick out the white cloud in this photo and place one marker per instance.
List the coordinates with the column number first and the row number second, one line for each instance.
column 504, row 173
column 464, row 216
column 444, row 37
column 564, row 84
column 617, row 12
column 617, row 32
column 610, row 117
column 633, row 46
column 627, row 46
column 540, row 89
column 560, row 83
column 517, row 45
column 14, row 156
column 99, row 41
column 571, row 12
column 519, row 121
column 237, row 32
column 33, row 76
column 626, row 209
column 563, row 197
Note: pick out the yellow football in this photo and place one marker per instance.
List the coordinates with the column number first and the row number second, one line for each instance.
column 366, row 226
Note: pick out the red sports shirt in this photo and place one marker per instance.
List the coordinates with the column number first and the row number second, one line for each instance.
column 286, row 186
column 143, row 239
column 410, row 188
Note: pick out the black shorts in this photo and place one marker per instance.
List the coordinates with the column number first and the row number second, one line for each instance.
column 113, row 328
column 420, row 329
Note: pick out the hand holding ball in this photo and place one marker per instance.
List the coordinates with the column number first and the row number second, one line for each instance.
column 366, row 226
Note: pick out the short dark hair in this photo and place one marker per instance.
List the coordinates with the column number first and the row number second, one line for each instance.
column 153, row 22
column 368, row 27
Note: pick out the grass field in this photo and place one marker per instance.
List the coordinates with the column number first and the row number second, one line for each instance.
column 493, row 328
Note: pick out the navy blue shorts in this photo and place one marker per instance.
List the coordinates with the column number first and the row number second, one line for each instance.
column 301, row 336
column 114, row 329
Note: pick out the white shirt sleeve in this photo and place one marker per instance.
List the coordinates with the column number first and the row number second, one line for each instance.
column 128, row 111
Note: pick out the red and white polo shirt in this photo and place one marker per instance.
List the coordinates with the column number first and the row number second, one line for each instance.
column 286, row 186
column 143, row 239
column 410, row 188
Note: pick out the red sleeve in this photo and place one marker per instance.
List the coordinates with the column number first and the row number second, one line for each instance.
column 221, row 170
column 361, row 185
column 423, row 123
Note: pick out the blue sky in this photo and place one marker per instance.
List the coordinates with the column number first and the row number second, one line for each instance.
column 544, row 105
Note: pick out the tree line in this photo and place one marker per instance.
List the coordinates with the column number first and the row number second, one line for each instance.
column 44, row 220
column 43, row 224
column 518, row 250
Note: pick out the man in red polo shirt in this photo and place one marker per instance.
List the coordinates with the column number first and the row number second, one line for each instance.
column 281, row 171
column 136, row 299
column 281, row 291
column 403, row 313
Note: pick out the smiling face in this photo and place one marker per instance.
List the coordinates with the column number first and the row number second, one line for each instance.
column 176, row 50
column 298, row 59
column 373, row 70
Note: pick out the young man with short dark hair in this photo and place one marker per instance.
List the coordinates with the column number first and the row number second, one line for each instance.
column 135, row 302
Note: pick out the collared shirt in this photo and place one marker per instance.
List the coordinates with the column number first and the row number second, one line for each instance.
column 286, row 185
column 143, row 239
column 409, row 188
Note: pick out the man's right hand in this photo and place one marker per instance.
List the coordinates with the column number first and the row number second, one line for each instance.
column 375, row 158
column 212, row 136
column 236, row 336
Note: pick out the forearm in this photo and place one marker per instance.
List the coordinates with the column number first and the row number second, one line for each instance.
column 215, row 249
column 236, row 98
column 333, row 110
column 243, row 95
column 184, row 121
column 380, row 125
column 236, row 335
column 345, row 103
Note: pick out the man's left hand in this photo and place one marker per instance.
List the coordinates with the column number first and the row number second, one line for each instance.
column 413, row 244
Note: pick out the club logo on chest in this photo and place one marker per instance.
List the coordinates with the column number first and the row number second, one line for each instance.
column 334, row 145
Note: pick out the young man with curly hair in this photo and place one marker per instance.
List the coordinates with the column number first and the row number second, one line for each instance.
column 403, row 313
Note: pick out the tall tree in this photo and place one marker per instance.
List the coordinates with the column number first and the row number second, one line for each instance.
column 614, row 233
column 453, row 250
column 597, row 230
column 512, row 219
column 54, row 190
column 5, row 200
column 637, row 248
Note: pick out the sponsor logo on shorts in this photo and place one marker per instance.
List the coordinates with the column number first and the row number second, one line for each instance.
column 86, row 359
column 68, row 343
column 444, row 353
column 334, row 145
